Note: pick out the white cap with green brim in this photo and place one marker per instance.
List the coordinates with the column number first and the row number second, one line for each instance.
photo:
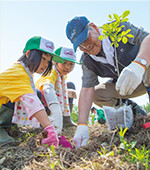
column 66, row 54
column 44, row 45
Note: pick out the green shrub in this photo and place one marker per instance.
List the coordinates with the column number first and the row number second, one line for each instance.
column 146, row 107
column 74, row 114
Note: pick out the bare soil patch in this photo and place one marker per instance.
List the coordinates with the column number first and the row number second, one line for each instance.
column 27, row 153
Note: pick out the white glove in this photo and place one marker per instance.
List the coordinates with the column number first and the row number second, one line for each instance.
column 52, row 102
column 49, row 93
column 129, row 79
column 56, row 118
column 72, row 93
column 81, row 136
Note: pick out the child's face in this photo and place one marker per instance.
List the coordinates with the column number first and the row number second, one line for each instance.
column 65, row 68
column 46, row 58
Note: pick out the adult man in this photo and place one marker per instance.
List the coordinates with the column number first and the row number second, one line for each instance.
column 98, row 60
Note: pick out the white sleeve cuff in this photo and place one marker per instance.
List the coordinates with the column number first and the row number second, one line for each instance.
column 49, row 94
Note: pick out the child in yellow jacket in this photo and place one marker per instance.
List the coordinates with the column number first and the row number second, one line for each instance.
column 16, row 85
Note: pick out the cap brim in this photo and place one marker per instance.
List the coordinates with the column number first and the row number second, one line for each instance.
column 81, row 37
column 57, row 59
column 71, row 60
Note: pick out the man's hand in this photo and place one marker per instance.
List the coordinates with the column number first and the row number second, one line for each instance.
column 81, row 136
column 72, row 93
column 129, row 79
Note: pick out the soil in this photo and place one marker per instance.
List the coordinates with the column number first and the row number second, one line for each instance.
column 27, row 152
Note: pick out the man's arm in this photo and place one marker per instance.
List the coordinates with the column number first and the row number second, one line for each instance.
column 84, row 105
column 85, row 101
column 132, row 75
column 144, row 51
column 89, row 81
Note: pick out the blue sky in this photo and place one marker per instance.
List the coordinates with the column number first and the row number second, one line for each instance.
column 20, row 20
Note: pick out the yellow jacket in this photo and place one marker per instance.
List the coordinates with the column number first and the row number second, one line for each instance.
column 14, row 82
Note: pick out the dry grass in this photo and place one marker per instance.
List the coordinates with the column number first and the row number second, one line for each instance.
column 27, row 153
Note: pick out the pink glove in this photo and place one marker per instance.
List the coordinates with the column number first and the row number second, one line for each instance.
column 51, row 136
column 63, row 141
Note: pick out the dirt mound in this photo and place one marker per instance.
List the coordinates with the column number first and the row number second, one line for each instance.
column 28, row 153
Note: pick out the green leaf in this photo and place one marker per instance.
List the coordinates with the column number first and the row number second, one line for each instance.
column 122, row 26
column 105, row 26
column 117, row 23
column 133, row 144
column 119, row 29
column 99, row 152
column 123, row 33
column 119, row 40
column 124, row 40
column 122, row 146
column 106, row 36
column 101, row 37
column 124, row 20
column 103, row 31
column 124, row 131
column 130, row 35
column 110, row 16
column 112, row 44
column 100, row 27
column 125, row 14
column 116, row 44
column 112, row 39
column 110, row 154
column 127, row 31
column 116, row 17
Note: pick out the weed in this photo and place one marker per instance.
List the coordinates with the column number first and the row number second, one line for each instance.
column 105, row 152
column 140, row 155
column 50, row 154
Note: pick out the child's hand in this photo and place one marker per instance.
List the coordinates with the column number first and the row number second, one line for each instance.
column 72, row 93
column 51, row 136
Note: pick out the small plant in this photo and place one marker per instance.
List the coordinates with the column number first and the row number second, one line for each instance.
column 138, row 155
column 52, row 149
column 146, row 107
column 105, row 152
column 74, row 114
column 113, row 31
column 142, row 155
column 124, row 144
column 50, row 154
column 127, row 147
column 13, row 128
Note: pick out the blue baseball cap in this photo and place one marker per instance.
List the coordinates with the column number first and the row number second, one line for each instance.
column 77, row 31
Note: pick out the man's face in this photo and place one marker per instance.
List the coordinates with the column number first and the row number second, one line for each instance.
column 92, row 45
